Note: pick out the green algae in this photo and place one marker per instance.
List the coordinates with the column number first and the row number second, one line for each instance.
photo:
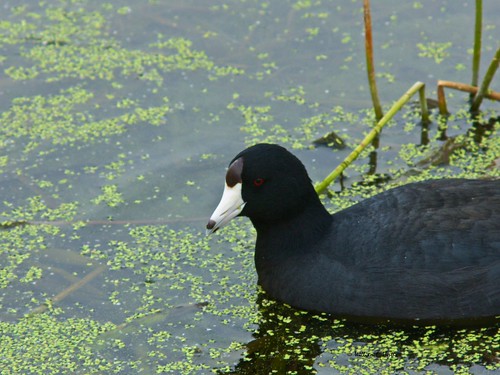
column 434, row 50
column 46, row 344
column 76, row 44
column 76, row 148
column 110, row 195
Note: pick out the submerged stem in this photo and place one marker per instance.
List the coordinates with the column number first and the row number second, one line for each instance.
column 77, row 285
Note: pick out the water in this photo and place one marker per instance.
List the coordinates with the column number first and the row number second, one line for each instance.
column 118, row 121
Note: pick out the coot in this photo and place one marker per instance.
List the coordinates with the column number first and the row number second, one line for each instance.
column 425, row 251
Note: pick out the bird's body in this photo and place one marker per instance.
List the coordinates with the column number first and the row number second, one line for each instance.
column 426, row 251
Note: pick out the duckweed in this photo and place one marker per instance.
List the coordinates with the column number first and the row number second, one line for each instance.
column 91, row 122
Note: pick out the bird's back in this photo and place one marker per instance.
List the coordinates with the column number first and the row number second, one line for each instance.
column 428, row 250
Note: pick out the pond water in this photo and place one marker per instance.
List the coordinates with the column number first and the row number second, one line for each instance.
column 117, row 122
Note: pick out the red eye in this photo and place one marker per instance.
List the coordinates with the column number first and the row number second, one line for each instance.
column 258, row 182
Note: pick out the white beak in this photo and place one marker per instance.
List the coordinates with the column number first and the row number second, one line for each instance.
column 230, row 206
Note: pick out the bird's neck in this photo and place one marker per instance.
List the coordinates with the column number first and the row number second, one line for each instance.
column 291, row 236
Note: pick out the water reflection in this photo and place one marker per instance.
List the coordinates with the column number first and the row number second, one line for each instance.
column 292, row 341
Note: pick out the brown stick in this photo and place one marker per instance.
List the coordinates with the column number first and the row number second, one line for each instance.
column 493, row 95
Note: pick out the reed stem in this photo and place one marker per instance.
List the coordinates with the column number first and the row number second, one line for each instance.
column 483, row 90
column 370, row 68
column 477, row 43
column 417, row 86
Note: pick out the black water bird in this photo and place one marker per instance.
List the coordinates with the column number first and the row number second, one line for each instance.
column 426, row 251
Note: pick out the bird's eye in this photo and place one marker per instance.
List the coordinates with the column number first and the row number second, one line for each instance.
column 258, row 182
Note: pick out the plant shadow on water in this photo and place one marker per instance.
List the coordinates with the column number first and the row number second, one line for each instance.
column 297, row 342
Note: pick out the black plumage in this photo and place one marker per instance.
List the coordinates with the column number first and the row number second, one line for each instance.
column 423, row 251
